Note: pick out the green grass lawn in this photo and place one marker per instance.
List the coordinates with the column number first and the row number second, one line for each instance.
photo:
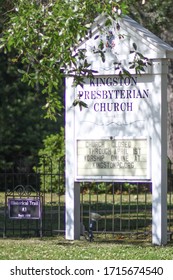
column 57, row 248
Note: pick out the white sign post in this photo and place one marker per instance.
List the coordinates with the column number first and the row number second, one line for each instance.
column 122, row 135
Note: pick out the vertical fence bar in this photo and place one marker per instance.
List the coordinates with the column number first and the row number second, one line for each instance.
column 113, row 208
column 89, row 193
column 97, row 210
column 59, row 212
column 105, row 229
column 81, row 207
column 145, row 221
column 5, row 208
column 137, row 208
column 58, row 194
column 129, row 207
column 51, row 194
column 121, row 190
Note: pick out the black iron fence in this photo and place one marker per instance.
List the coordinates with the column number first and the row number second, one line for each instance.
column 25, row 181
column 119, row 209
column 123, row 208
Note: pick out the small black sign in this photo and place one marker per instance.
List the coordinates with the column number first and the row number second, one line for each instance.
column 24, row 208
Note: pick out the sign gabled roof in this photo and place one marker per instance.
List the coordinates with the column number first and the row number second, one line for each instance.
column 147, row 37
column 118, row 44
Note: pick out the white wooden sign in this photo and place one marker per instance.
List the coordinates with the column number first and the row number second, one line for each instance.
column 122, row 135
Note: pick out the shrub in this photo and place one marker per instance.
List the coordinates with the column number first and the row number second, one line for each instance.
column 51, row 163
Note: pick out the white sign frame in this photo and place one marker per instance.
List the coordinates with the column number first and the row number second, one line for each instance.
column 110, row 178
column 149, row 118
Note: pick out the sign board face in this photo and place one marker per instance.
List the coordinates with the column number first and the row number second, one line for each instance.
column 113, row 159
column 24, row 208
column 121, row 109
column 116, row 106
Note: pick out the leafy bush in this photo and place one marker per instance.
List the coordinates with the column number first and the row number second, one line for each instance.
column 51, row 163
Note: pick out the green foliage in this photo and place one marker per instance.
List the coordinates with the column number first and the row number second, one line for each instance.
column 156, row 15
column 129, row 188
column 46, row 43
column 95, row 188
column 51, row 31
column 23, row 125
column 40, row 39
column 51, row 163
column 22, row 120
column 53, row 145
column 139, row 62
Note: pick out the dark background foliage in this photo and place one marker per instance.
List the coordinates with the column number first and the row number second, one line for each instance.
column 23, row 123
